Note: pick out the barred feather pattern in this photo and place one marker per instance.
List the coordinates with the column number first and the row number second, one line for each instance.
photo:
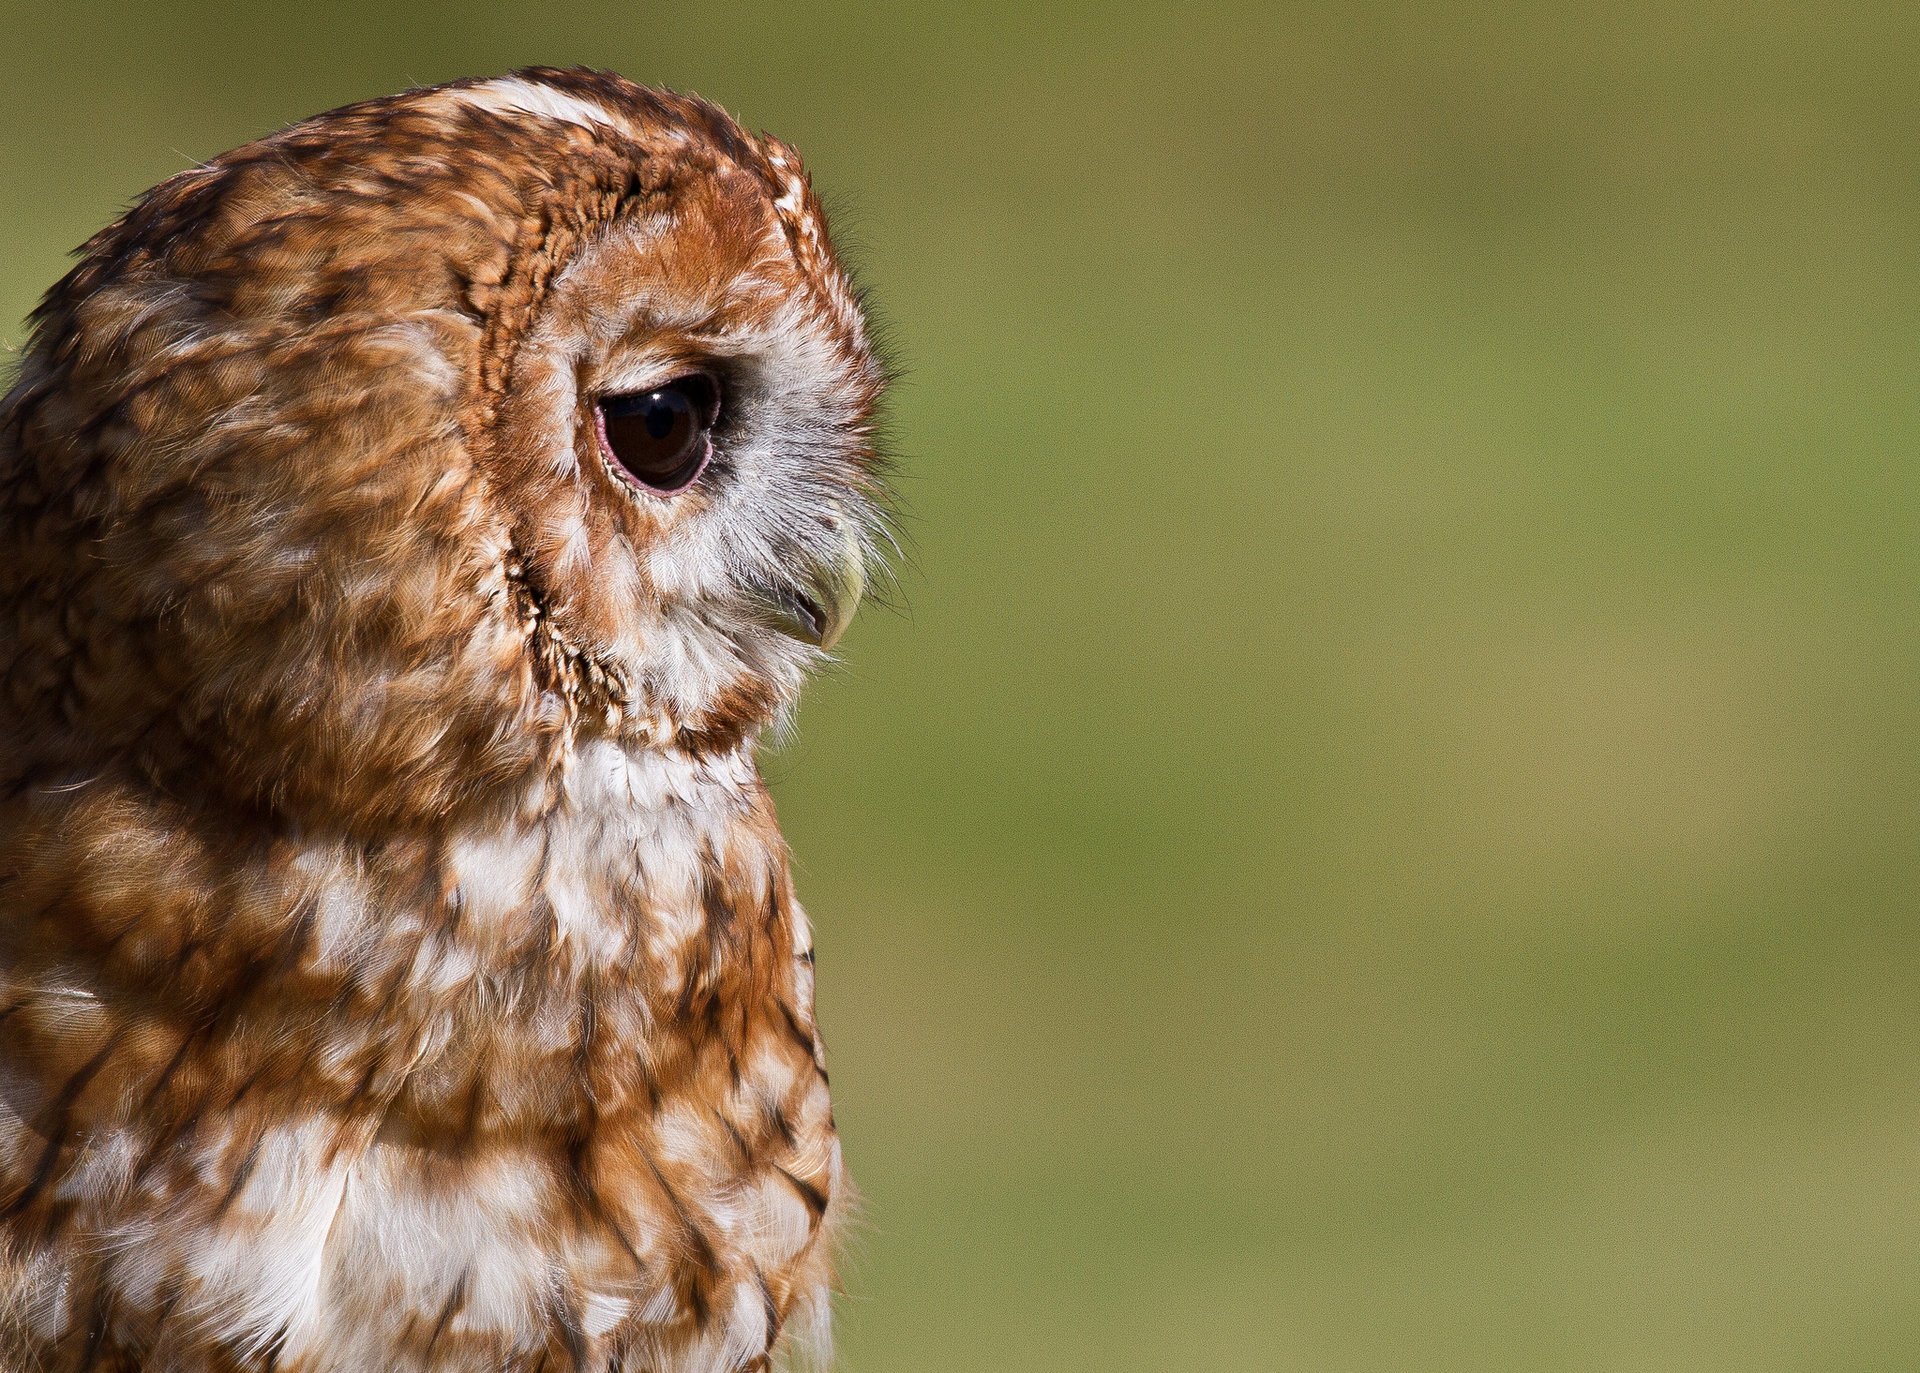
column 400, row 966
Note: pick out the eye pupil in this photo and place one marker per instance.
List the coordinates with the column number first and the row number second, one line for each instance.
column 663, row 437
column 662, row 416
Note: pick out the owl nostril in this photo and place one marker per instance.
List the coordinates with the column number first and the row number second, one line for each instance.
column 661, row 438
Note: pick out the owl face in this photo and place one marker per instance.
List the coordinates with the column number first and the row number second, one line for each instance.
column 372, row 465
column 685, row 445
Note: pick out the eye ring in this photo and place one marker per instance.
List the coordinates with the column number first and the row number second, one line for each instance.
column 660, row 439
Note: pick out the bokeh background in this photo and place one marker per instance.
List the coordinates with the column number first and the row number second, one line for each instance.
column 1380, row 833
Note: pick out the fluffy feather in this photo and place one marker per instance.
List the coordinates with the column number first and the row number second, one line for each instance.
column 399, row 962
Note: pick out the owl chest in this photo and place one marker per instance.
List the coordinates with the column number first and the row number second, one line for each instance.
column 612, row 1138
column 570, row 1111
column 675, row 1229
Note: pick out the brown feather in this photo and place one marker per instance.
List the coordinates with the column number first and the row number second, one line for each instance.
column 399, row 962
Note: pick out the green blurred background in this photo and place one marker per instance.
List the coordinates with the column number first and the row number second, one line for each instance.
column 1382, row 833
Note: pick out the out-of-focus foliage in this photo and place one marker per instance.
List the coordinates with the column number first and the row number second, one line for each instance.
column 1382, row 832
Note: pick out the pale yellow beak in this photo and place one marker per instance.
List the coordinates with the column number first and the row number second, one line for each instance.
column 818, row 609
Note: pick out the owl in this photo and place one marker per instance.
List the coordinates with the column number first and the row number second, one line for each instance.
column 410, row 524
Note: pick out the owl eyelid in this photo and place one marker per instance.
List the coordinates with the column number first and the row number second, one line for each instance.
column 698, row 380
column 639, row 375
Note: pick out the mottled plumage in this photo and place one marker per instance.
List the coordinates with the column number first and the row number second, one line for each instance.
column 399, row 963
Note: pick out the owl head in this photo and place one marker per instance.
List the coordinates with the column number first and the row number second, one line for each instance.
column 362, row 472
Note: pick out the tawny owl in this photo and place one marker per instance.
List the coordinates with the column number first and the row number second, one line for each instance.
column 409, row 524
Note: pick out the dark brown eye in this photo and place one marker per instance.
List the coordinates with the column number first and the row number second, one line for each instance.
column 662, row 438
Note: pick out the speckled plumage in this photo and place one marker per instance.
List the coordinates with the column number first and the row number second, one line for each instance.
column 399, row 963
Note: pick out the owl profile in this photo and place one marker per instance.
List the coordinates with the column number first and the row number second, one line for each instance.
column 410, row 523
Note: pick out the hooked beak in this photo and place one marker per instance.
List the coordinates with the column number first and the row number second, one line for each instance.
column 818, row 604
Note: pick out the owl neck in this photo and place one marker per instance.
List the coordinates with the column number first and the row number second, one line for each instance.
column 643, row 898
column 648, row 902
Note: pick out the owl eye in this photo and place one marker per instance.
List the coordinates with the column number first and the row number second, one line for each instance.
column 662, row 438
